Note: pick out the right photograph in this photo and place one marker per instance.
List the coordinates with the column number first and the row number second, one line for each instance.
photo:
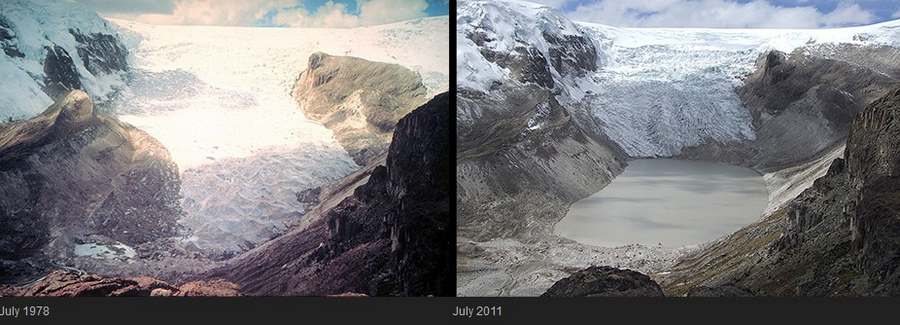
column 679, row 148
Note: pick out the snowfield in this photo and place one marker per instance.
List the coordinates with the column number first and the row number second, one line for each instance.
column 218, row 98
column 657, row 90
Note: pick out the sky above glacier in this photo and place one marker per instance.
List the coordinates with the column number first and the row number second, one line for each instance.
column 292, row 13
column 730, row 13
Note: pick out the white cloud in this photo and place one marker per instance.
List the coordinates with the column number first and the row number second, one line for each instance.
column 551, row 3
column 213, row 12
column 287, row 12
column 717, row 13
column 371, row 12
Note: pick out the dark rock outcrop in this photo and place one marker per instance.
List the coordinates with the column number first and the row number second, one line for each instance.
column 359, row 100
column 604, row 281
column 873, row 162
column 571, row 54
column 392, row 236
column 60, row 75
column 76, row 284
column 8, row 39
column 101, row 53
column 70, row 173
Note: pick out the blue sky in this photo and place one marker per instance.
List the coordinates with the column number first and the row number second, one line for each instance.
column 730, row 13
column 299, row 13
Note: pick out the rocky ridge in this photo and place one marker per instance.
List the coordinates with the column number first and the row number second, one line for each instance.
column 70, row 176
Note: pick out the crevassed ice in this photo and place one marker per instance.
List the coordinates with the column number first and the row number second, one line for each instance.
column 219, row 99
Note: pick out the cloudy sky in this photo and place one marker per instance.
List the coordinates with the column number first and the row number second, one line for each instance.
column 730, row 13
column 295, row 13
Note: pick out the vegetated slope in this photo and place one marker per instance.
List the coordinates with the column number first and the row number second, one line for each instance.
column 50, row 47
column 390, row 237
column 723, row 95
column 359, row 100
column 70, row 177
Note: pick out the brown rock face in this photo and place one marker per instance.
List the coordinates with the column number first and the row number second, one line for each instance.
column 360, row 100
column 215, row 288
column 74, row 284
column 70, row 173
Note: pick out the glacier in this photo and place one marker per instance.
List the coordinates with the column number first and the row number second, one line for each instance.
column 656, row 90
column 219, row 99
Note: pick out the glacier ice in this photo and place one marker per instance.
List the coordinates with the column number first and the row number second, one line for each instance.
column 219, row 99
column 657, row 90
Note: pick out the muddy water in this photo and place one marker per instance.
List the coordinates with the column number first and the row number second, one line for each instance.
column 667, row 202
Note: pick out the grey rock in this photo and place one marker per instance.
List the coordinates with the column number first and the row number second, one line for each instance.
column 60, row 75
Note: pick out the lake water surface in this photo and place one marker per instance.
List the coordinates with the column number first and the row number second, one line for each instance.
column 669, row 202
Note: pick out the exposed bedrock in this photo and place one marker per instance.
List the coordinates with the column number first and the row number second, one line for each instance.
column 522, row 161
column 389, row 237
column 359, row 100
column 803, row 102
column 604, row 281
column 837, row 237
column 70, row 173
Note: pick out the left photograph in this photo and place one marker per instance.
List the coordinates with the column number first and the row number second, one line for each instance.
column 225, row 148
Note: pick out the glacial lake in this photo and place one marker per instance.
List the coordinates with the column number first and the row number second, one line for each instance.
column 669, row 202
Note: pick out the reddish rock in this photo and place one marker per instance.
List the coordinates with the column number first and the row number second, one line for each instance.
column 214, row 288
column 74, row 284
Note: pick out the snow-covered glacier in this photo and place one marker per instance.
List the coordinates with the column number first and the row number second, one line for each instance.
column 654, row 91
column 219, row 99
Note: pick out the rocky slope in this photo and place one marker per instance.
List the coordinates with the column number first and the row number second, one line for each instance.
column 359, row 100
column 835, row 238
column 802, row 103
column 74, row 284
column 390, row 237
column 76, row 183
column 51, row 47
